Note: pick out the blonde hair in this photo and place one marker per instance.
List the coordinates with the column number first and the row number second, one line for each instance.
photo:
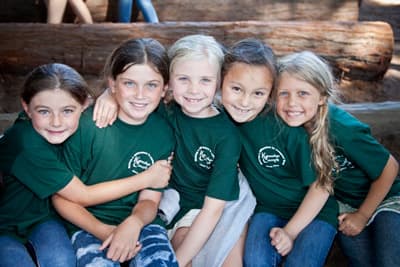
column 197, row 46
column 315, row 71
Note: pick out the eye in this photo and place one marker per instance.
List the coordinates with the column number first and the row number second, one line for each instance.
column 303, row 93
column 182, row 79
column 68, row 111
column 129, row 84
column 283, row 93
column 236, row 89
column 259, row 93
column 43, row 112
column 152, row 85
column 206, row 80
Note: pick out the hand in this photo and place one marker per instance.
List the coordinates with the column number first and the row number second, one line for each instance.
column 281, row 240
column 105, row 109
column 105, row 231
column 123, row 243
column 160, row 173
column 351, row 224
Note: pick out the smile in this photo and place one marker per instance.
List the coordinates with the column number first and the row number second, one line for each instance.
column 241, row 110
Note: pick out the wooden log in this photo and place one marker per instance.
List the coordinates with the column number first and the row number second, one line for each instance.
column 389, row 11
column 204, row 10
column 267, row 10
column 357, row 50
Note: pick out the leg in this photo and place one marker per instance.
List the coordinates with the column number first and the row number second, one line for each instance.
column 52, row 245
column 55, row 10
column 125, row 10
column 148, row 11
column 87, row 251
column 81, row 11
column 258, row 249
column 156, row 249
column 178, row 237
column 14, row 253
column 386, row 227
column 312, row 245
column 235, row 256
column 357, row 249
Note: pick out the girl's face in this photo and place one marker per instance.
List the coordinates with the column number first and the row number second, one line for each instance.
column 297, row 101
column 138, row 92
column 193, row 83
column 245, row 91
column 55, row 114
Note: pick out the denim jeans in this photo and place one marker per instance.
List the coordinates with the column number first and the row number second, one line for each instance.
column 51, row 245
column 145, row 6
column 377, row 245
column 156, row 250
column 310, row 248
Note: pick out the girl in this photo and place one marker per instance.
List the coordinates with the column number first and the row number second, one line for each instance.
column 136, row 72
column 365, row 176
column 294, row 220
column 205, row 161
column 53, row 98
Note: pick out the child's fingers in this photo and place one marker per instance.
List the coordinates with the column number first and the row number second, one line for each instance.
column 106, row 243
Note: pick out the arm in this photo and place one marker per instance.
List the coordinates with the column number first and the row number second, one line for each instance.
column 353, row 223
column 282, row 238
column 156, row 176
column 81, row 217
column 200, row 230
column 123, row 243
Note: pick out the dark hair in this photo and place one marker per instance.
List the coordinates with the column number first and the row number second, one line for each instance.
column 250, row 51
column 55, row 76
column 137, row 51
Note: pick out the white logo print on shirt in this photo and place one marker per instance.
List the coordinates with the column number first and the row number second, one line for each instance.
column 204, row 157
column 140, row 161
column 271, row 157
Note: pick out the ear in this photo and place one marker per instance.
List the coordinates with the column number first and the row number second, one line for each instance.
column 25, row 107
column 164, row 90
column 87, row 103
column 111, row 84
column 322, row 100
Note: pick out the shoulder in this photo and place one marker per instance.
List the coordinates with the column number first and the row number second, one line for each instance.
column 344, row 125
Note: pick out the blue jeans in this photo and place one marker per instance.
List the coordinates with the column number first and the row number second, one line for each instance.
column 310, row 248
column 145, row 6
column 377, row 245
column 156, row 249
column 51, row 245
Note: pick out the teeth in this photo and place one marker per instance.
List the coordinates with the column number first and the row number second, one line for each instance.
column 294, row 113
column 192, row 100
column 139, row 105
column 242, row 110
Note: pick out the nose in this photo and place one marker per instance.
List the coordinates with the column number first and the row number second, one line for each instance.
column 56, row 120
column 193, row 88
column 291, row 99
column 245, row 100
column 139, row 93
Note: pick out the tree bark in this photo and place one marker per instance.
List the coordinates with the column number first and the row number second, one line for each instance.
column 356, row 50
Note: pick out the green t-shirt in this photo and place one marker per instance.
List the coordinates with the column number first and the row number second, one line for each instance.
column 205, row 160
column 360, row 157
column 276, row 160
column 33, row 170
column 98, row 155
